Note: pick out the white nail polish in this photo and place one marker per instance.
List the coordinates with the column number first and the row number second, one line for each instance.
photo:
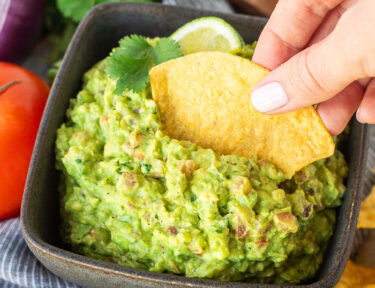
column 269, row 97
column 356, row 115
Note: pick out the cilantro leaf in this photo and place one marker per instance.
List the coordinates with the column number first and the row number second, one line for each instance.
column 115, row 64
column 130, row 63
column 166, row 49
column 120, row 64
column 75, row 10
column 136, row 77
column 147, row 167
column 135, row 46
column 131, row 73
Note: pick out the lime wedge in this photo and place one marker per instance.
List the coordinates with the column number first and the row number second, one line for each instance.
column 208, row 34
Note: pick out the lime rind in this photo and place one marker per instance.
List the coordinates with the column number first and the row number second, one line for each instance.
column 220, row 26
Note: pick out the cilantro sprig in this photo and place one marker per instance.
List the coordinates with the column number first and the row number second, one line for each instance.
column 76, row 9
column 130, row 63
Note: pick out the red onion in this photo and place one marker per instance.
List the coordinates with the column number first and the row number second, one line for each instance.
column 20, row 25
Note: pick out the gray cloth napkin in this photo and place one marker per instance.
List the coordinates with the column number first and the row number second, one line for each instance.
column 19, row 267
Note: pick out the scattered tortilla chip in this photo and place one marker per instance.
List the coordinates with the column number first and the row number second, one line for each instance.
column 367, row 212
column 205, row 98
column 357, row 276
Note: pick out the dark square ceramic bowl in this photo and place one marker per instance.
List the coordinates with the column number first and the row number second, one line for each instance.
column 96, row 36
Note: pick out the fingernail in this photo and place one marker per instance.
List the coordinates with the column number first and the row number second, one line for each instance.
column 357, row 115
column 269, row 97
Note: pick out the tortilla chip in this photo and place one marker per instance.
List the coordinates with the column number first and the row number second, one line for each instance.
column 357, row 276
column 367, row 212
column 205, row 98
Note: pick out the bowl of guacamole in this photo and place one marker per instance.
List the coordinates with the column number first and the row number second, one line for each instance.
column 134, row 202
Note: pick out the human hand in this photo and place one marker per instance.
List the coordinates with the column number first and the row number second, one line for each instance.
column 322, row 51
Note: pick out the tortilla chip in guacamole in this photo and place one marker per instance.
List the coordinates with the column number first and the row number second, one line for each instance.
column 205, row 98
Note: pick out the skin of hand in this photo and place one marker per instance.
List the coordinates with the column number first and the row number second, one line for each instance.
column 320, row 51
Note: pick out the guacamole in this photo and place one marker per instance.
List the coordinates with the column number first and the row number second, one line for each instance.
column 133, row 196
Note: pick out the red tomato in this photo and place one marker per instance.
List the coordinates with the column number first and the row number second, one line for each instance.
column 21, row 108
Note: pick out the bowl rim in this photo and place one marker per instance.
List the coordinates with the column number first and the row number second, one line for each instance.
column 37, row 245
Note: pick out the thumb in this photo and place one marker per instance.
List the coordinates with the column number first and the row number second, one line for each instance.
column 314, row 75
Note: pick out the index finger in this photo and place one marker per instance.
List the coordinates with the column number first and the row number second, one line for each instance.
column 289, row 29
